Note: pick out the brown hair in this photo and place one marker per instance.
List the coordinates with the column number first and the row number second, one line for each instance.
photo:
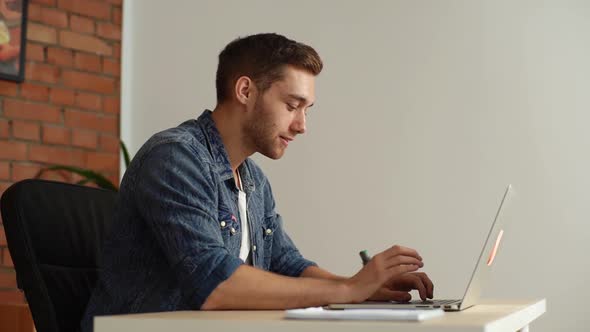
column 262, row 57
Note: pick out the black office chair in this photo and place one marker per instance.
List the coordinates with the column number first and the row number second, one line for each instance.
column 54, row 232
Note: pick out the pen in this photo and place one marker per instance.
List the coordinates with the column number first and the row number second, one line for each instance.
column 365, row 257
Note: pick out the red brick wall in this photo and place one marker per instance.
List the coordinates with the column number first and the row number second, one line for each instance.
column 67, row 109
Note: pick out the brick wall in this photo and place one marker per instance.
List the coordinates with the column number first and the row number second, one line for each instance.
column 67, row 109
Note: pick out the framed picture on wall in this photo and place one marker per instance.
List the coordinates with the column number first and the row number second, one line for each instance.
column 13, row 37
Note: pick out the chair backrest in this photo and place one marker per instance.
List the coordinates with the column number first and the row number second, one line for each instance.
column 54, row 232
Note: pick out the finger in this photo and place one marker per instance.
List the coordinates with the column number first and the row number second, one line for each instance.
column 404, row 287
column 401, row 250
column 396, row 296
column 398, row 270
column 398, row 260
column 414, row 281
column 420, row 286
column 428, row 283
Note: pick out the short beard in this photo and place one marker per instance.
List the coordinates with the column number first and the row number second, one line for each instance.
column 259, row 132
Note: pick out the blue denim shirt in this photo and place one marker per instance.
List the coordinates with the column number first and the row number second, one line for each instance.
column 172, row 242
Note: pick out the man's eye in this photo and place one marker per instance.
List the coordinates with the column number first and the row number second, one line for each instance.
column 291, row 107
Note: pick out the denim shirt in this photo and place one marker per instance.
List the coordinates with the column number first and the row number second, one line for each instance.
column 176, row 234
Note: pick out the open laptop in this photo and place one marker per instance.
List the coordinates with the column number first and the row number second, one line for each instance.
column 478, row 278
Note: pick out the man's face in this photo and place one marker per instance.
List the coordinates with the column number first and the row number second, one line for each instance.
column 278, row 115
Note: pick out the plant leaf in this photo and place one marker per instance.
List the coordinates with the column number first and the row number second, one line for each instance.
column 83, row 182
column 125, row 154
column 88, row 176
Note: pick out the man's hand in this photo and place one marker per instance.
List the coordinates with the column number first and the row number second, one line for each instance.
column 388, row 276
column 388, row 269
column 398, row 288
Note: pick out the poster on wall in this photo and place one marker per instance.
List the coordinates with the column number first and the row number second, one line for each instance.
column 13, row 35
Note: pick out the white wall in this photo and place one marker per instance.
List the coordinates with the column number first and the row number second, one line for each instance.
column 425, row 111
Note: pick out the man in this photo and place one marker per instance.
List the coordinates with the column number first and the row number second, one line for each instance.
column 196, row 226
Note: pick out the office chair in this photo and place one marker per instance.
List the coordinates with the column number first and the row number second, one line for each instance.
column 54, row 232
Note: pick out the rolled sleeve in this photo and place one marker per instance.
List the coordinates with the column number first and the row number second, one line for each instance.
column 222, row 266
column 177, row 197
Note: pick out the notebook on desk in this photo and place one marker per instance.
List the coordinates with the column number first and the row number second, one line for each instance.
column 478, row 278
column 364, row 314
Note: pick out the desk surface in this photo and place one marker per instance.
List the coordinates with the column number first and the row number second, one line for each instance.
column 504, row 315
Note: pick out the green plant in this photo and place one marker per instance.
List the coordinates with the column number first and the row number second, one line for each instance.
column 89, row 176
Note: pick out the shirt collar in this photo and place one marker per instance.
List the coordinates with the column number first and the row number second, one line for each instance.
column 219, row 154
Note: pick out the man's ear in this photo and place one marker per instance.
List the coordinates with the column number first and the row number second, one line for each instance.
column 244, row 89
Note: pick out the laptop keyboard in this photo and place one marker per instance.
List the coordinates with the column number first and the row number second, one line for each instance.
column 435, row 302
column 429, row 302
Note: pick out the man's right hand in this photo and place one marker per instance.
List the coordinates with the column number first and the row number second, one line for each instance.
column 252, row 288
column 384, row 266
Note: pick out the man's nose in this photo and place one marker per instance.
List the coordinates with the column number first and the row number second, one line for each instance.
column 298, row 124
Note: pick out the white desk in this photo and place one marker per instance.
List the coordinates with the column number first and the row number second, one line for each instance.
column 492, row 316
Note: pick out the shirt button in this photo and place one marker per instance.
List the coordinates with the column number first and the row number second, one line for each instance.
column 222, row 224
column 254, row 248
column 233, row 230
column 268, row 231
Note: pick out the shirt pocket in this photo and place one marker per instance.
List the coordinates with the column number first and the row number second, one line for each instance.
column 269, row 227
column 228, row 226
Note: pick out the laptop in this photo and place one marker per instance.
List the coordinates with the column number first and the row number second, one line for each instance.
column 478, row 278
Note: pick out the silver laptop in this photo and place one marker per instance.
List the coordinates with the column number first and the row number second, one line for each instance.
column 478, row 278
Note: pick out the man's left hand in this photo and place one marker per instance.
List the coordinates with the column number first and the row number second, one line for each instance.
column 398, row 288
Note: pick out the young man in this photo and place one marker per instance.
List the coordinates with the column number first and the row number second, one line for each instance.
column 196, row 226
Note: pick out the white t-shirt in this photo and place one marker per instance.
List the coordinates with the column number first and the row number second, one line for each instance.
column 243, row 209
